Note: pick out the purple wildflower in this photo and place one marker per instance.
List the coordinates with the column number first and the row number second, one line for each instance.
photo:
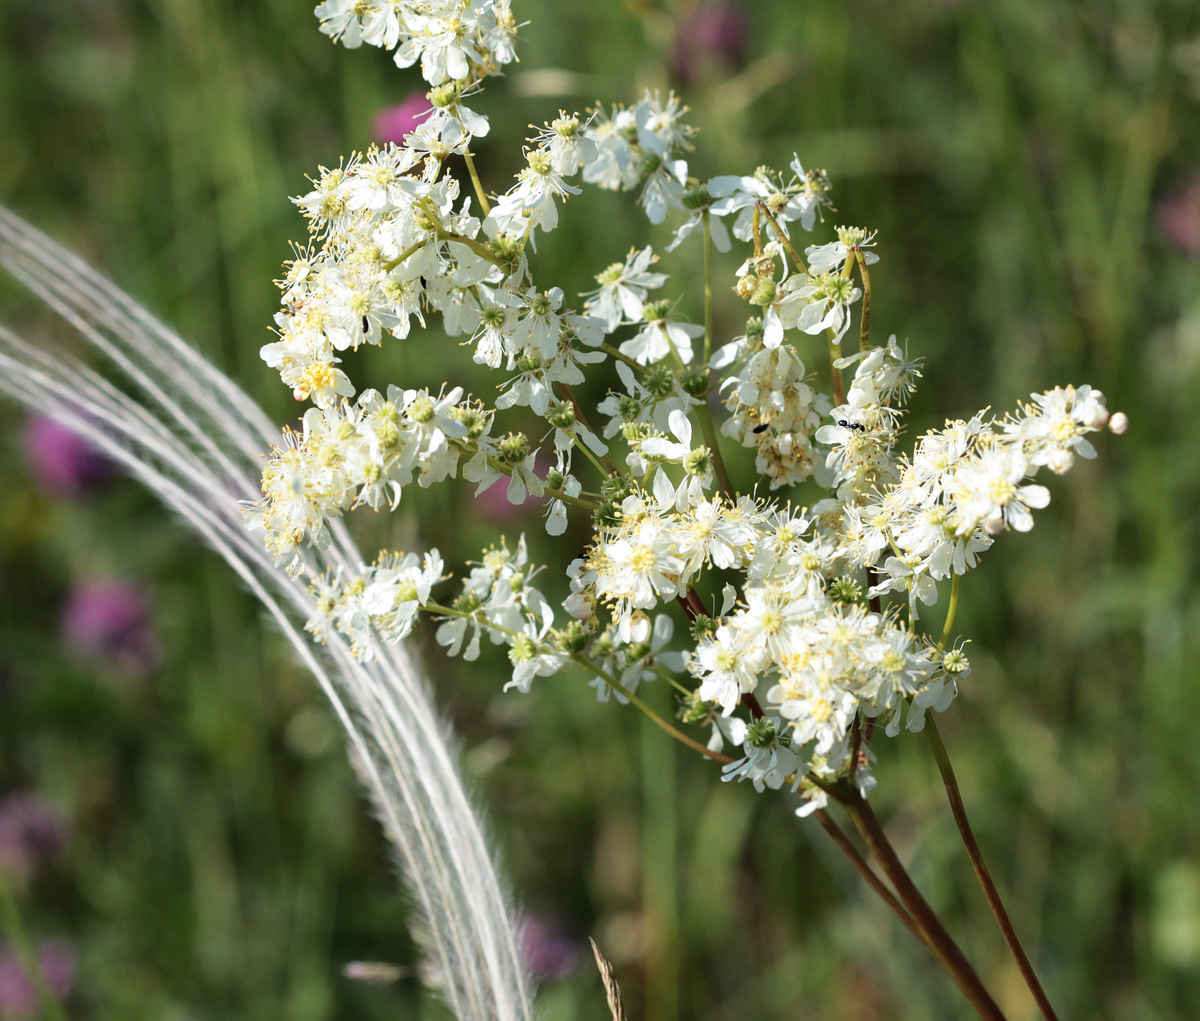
column 549, row 952
column 392, row 123
column 712, row 37
column 31, row 830
column 1179, row 217
column 109, row 621
column 18, row 997
column 63, row 462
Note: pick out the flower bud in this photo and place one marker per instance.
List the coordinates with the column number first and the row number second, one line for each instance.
column 513, row 448
column 764, row 291
column 694, row 382
column 761, row 734
column 561, row 415
column 652, row 311
column 659, row 381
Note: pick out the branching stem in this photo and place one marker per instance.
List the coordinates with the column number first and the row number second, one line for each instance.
column 939, row 941
column 990, row 892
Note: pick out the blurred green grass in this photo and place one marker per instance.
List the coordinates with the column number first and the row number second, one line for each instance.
column 1012, row 157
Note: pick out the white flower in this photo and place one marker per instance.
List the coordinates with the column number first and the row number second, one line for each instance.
column 531, row 655
column 658, row 338
column 616, row 164
column 988, row 490
column 768, row 761
column 623, row 289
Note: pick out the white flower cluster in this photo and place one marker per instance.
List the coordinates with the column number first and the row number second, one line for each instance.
column 382, row 602
column 454, row 40
column 773, row 409
column 348, row 455
column 803, row 613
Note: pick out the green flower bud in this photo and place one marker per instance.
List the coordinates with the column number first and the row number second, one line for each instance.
column 694, row 381
column 650, row 163
column 603, row 647
column 955, row 662
column 610, row 275
column 467, row 602
column 493, row 316
column 523, row 649
column 513, row 448
column 561, row 414
column 565, row 127
column 507, row 246
column 693, row 709
column 659, row 381
column 696, row 198
column 764, row 292
column 540, row 162
column 761, row 734
column 635, row 432
column 529, row 361
column 444, row 95
column 652, row 311
column 628, row 408
column 572, row 638
column 852, row 237
column 845, row 590
column 698, row 462
column 421, row 410
column 474, row 420
column 702, row 627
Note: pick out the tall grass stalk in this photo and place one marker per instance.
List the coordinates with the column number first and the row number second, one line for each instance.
column 194, row 438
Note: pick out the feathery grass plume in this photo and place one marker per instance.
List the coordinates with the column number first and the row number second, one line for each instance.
column 194, row 438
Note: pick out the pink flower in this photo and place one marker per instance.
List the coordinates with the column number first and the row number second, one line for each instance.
column 31, row 830
column 548, row 951
column 108, row 621
column 1179, row 216
column 62, row 461
column 712, row 37
column 392, row 123
column 18, row 998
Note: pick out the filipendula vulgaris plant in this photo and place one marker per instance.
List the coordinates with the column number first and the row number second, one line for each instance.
column 793, row 634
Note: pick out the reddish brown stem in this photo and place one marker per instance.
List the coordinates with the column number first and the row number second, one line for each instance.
column 864, row 869
column 939, row 941
column 959, row 810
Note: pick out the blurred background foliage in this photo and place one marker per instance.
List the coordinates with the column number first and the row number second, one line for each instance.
column 178, row 823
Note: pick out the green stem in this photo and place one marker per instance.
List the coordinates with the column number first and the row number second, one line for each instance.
column 637, row 703
column 865, row 275
column 709, row 431
column 835, row 374
column 784, row 240
column 556, row 494
column 476, row 184
column 666, row 676
column 402, row 257
column 951, row 612
column 708, row 291
column 478, row 247
column 604, row 470
column 990, row 893
column 609, row 349
column 608, row 468
column 27, row 953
